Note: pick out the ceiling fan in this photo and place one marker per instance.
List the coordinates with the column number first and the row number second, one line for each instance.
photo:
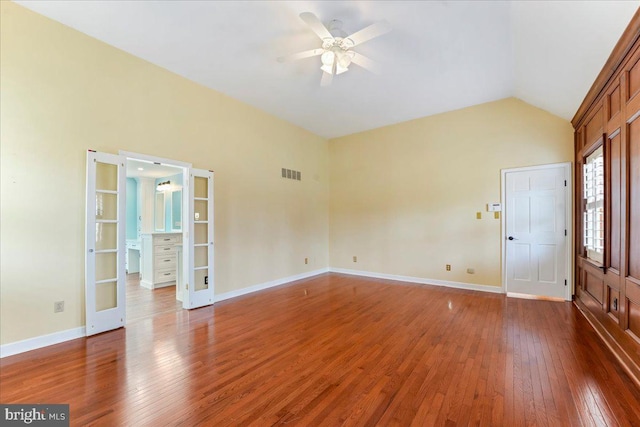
column 336, row 52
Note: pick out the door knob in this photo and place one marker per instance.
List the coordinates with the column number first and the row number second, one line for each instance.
column 511, row 238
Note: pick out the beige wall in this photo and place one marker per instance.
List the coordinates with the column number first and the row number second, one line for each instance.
column 404, row 198
column 63, row 93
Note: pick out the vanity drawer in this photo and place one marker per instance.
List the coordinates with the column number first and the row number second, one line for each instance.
column 165, row 261
column 164, row 250
column 164, row 275
column 167, row 240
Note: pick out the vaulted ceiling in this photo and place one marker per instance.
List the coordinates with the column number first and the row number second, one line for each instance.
column 440, row 55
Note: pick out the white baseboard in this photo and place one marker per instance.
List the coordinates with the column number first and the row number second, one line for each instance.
column 41, row 341
column 420, row 280
column 270, row 284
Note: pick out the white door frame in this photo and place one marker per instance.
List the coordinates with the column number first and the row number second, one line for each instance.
column 566, row 166
column 186, row 182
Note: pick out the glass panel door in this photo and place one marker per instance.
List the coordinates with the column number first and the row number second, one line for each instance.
column 200, row 240
column 105, row 243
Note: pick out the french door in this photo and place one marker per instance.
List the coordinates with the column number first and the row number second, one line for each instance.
column 105, row 275
column 105, row 278
column 199, row 240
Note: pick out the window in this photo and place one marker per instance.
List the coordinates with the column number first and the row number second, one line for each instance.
column 594, row 206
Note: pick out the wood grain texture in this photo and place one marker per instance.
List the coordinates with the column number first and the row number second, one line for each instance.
column 337, row 350
column 617, row 89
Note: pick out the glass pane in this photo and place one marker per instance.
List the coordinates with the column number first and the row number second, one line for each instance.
column 106, row 206
column 106, row 176
column 201, row 256
column 106, row 236
column 593, row 176
column 200, row 187
column 200, row 209
column 200, row 233
column 201, row 279
column 106, row 266
column 106, row 296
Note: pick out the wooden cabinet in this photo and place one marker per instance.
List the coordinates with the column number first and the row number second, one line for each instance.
column 132, row 256
column 159, row 259
column 608, row 288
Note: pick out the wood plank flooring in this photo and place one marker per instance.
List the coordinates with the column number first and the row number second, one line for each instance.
column 338, row 350
column 143, row 302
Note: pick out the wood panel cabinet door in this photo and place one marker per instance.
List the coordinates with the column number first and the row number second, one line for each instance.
column 632, row 225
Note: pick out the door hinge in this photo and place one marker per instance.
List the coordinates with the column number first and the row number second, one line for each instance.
column 187, row 286
column 565, row 282
column 565, row 232
column 565, row 182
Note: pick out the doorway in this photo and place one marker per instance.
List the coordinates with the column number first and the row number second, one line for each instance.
column 153, row 208
column 175, row 251
column 536, row 232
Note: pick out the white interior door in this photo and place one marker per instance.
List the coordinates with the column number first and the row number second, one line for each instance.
column 105, row 279
column 199, row 244
column 536, row 232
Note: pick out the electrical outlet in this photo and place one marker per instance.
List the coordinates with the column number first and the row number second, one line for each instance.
column 306, row 260
column 355, row 258
column 448, row 267
column 58, row 306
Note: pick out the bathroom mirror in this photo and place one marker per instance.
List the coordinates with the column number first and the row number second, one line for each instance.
column 176, row 210
column 159, row 212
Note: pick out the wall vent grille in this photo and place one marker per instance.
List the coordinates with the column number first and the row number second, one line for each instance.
column 291, row 174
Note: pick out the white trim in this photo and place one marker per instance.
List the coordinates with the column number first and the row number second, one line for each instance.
column 567, row 166
column 420, row 280
column 269, row 284
column 41, row 341
column 148, row 158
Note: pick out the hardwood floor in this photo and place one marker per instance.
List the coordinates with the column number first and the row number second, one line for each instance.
column 338, row 350
column 142, row 302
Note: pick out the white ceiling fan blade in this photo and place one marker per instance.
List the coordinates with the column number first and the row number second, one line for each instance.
column 372, row 31
column 317, row 26
column 366, row 63
column 301, row 55
column 326, row 80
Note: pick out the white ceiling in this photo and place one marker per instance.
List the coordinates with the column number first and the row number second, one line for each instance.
column 440, row 55
column 137, row 168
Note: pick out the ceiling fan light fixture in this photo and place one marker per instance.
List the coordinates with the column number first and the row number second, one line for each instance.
column 336, row 54
column 327, row 58
column 344, row 60
column 327, row 69
column 340, row 70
